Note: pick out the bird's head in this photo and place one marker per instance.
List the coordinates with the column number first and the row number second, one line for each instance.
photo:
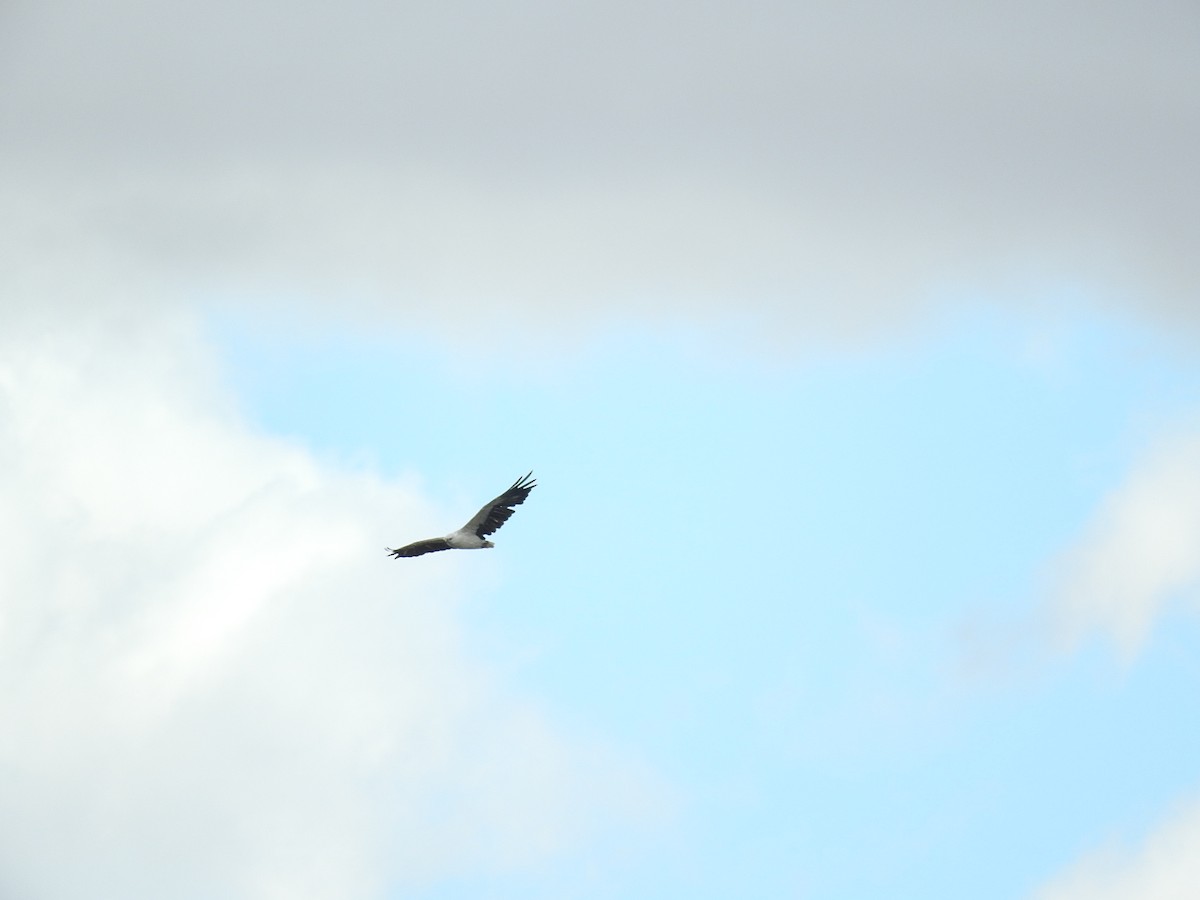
column 487, row 544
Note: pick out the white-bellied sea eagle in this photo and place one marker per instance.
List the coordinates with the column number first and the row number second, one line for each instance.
column 472, row 536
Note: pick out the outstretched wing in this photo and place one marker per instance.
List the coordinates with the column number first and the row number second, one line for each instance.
column 496, row 513
column 416, row 549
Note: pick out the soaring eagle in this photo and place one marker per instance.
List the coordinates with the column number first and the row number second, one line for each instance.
column 472, row 535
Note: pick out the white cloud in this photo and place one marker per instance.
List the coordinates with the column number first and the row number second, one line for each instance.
column 816, row 167
column 212, row 681
column 1165, row 867
column 1141, row 550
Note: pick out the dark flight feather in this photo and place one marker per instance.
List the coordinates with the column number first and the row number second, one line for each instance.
column 419, row 547
column 494, row 514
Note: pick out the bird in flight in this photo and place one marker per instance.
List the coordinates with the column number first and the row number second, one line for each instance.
column 472, row 536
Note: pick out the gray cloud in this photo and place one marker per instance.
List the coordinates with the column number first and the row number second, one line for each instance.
column 812, row 166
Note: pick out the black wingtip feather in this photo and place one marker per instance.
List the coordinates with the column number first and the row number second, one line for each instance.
column 502, row 508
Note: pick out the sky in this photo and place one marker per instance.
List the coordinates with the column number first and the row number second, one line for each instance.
column 854, row 348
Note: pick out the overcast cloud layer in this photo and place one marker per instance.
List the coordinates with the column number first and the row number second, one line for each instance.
column 212, row 683
column 818, row 166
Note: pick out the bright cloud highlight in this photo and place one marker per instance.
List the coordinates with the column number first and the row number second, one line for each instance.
column 1141, row 550
column 1166, row 866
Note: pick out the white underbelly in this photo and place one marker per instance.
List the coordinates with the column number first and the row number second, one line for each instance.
column 465, row 540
